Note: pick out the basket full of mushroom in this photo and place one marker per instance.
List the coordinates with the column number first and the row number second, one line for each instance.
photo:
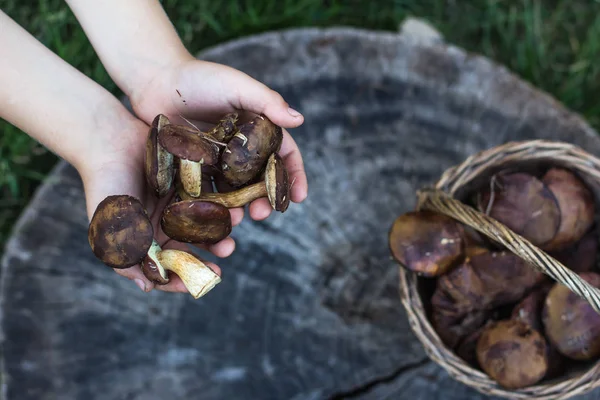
column 498, row 270
column 243, row 163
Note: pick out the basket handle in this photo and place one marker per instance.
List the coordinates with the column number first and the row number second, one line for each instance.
column 439, row 201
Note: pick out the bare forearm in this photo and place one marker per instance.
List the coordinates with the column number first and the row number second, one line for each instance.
column 50, row 100
column 134, row 39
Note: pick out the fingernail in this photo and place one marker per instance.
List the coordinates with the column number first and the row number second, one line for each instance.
column 140, row 283
column 293, row 112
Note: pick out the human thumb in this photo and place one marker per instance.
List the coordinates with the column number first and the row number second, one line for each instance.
column 254, row 96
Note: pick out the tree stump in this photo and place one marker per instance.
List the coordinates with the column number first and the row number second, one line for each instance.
column 309, row 305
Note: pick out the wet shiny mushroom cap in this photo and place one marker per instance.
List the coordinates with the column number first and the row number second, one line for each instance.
column 120, row 232
column 426, row 242
column 277, row 182
column 188, row 145
column 158, row 162
column 196, row 221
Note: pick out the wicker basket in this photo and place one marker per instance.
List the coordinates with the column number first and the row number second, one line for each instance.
column 447, row 197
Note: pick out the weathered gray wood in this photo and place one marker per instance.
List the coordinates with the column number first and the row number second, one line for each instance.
column 308, row 307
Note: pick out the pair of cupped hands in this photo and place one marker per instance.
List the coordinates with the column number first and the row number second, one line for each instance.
column 200, row 93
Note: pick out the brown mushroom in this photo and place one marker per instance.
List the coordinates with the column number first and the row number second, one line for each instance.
column 158, row 162
column 425, row 242
column 570, row 322
column 120, row 232
column 152, row 268
column 245, row 157
column 576, row 204
column 275, row 187
column 197, row 277
column 192, row 150
column 524, row 204
column 225, row 129
column 512, row 353
column 196, row 221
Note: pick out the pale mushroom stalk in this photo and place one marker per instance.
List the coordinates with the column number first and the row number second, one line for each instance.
column 275, row 187
column 237, row 198
column 190, row 174
column 197, row 277
column 193, row 151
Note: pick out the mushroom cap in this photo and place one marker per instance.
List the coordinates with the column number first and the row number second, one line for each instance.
column 524, row 204
column 570, row 322
column 187, row 144
column 158, row 162
column 576, row 204
column 425, row 242
column 512, row 353
column 120, row 231
column 244, row 160
column 152, row 268
column 196, row 221
column 277, row 182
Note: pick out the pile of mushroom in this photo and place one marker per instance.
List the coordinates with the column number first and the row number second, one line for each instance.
column 243, row 163
column 486, row 304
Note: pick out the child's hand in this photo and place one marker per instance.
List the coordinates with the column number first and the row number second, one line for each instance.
column 81, row 122
column 115, row 168
column 203, row 92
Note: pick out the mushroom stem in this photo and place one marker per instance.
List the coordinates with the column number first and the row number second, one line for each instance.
column 237, row 198
column 197, row 277
column 190, row 174
column 275, row 187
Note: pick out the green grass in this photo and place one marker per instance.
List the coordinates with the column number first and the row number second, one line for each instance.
column 555, row 44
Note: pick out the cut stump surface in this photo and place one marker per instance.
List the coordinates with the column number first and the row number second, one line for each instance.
column 309, row 305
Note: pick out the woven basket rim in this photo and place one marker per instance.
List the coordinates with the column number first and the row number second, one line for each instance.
column 449, row 183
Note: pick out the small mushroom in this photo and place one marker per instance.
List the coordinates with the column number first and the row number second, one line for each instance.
column 512, row 353
column 427, row 243
column 192, row 150
column 570, row 322
column 152, row 268
column 158, row 162
column 197, row 277
column 245, row 157
column 225, row 128
column 196, row 221
column 120, row 232
column 275, row 187
column 576, row 204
